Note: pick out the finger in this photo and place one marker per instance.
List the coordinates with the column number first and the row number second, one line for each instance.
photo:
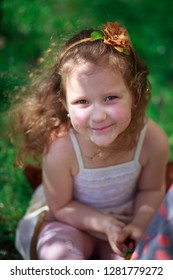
column 136, row 234
column 122, row 236
column 118, row 224
column 116, row 249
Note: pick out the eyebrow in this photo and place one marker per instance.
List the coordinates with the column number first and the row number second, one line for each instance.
column 111, row 92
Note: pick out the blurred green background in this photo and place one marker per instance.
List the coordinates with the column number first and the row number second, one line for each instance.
column 26, row 30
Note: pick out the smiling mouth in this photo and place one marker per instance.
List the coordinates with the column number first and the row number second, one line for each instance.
column 101, row 128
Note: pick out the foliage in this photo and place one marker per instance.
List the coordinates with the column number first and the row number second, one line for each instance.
column 14, row 196
column 26, row 30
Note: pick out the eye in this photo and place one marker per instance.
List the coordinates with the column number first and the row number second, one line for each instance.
column 110, row 98
column 82, row 101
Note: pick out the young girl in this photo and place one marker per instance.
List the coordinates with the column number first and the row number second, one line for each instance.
column 104, row 161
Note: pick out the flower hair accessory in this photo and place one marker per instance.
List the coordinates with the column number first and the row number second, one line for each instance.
column 112, row 34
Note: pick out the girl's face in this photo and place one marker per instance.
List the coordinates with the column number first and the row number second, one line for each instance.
column 98, row 102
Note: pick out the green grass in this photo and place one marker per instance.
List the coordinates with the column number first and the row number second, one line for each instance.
column 15, row 193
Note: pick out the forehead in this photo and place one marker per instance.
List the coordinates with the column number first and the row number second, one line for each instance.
column 90, row 70
column 92, row 79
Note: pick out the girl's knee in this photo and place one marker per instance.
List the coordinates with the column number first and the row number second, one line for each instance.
column 59, row 241
column 59, row 250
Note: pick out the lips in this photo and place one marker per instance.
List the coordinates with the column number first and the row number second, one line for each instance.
column 101, row 128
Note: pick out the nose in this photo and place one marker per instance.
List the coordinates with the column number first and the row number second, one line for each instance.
column 98, row 113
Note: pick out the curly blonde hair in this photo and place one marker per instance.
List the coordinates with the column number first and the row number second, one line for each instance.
column 40, row 116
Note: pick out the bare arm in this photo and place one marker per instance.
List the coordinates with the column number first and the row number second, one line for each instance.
column 151, row 185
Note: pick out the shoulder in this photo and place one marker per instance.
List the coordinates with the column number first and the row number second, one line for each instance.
column 61, row 144
column 156, row 141
column 156, row 137
column 60, row 153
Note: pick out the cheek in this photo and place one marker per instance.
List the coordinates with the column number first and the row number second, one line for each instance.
column 79, row 117
column 122, row 114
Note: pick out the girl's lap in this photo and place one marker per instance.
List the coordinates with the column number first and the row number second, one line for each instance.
column 61, row 241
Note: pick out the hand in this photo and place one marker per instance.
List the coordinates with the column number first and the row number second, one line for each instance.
column 130, row 231
column 113, row 232
column 128, row 237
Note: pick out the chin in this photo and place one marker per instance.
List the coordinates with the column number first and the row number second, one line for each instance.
column 103, row 141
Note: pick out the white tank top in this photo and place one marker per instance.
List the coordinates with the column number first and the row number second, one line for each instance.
column 111, row 189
